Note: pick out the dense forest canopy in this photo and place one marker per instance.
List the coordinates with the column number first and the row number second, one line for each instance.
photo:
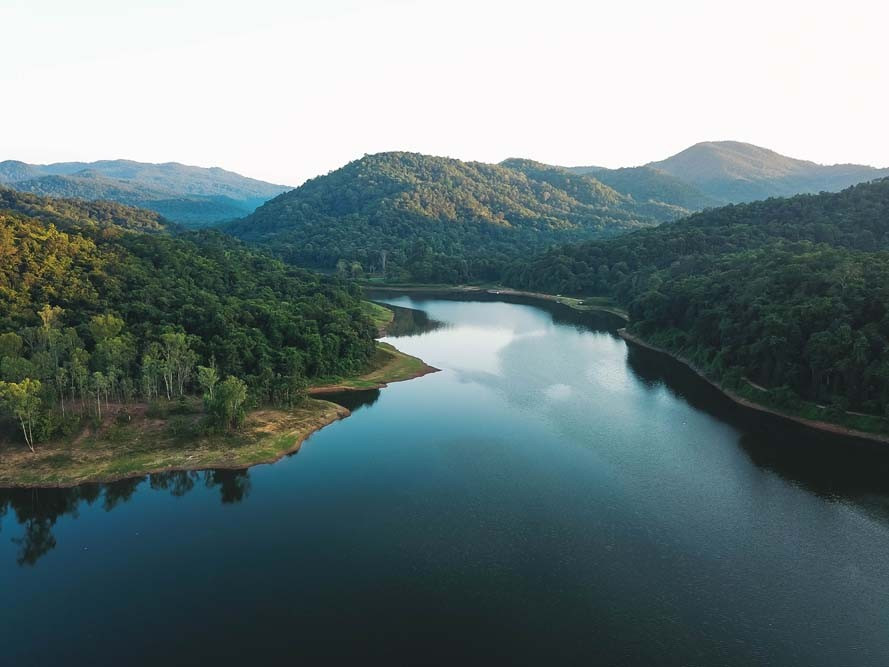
column 650, row 184
column 792, row 294
column 438, row 219
column 93, row 309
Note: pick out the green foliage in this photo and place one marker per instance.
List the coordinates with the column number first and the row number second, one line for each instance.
column 646, row 184
column 227, row 408
column 433, row 219
column 208, row 378
column 22, row 400
column 100, row 314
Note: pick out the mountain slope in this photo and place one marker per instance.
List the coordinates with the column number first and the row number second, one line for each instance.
column 13, row 170
column 80, row 214
column 650, row 184
column 731, row 171
column 439, row 218
column 189, row 195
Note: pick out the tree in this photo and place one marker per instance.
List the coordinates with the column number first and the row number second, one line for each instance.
column 178, row 362
column 227, row 409
column 22, row 399
column 207, row 379
column 10, row 345
column 99, row 384
column 103, row 327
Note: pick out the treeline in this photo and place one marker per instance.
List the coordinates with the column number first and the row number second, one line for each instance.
column 790, row 294
column 405, row 216
column 94, row 315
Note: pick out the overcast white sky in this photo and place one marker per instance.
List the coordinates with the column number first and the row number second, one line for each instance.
column 287, row 90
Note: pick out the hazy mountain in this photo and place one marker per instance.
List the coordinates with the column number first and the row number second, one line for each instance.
column 731, row 171
column 13, row 170
column 189, row 195
column 715, row 173
column 425, row 210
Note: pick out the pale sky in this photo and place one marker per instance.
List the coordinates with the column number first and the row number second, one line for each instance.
column 284, row 91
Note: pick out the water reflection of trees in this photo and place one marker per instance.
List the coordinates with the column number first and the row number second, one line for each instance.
column 413, row 322
column 354, row 400
column 827, row 465
column 410, row 322
column 37, row 510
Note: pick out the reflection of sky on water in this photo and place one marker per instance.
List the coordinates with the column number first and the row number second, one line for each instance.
column 549, row 488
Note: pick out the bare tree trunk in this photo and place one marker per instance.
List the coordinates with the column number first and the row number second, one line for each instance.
column 25, row 430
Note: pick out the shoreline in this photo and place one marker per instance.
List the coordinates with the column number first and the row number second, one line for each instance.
column 823, row 426
column 400, row 367
column 339, row 412
column 149, row 447
column 574, row 303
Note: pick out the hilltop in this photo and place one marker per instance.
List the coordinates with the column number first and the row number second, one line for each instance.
column 732, row 172
column 437, row 218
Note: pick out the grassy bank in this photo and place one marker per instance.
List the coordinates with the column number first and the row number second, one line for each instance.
column 138, row 439
column 144, row 444
column 388, row 365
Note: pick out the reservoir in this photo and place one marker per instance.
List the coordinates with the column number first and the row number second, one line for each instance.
column 551, row 496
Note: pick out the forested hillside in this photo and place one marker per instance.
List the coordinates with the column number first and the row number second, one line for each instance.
column 95, row 312
column 650, row 184
column 792, row 294
column 715, row 173
column 192, row 196
column 438, row 219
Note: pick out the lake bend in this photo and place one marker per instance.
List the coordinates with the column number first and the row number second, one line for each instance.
column 551, row 496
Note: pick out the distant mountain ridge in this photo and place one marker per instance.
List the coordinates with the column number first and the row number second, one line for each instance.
column 715, row 173
column 194, row 196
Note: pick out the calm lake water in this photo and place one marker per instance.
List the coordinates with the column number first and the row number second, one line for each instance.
column 550, row 497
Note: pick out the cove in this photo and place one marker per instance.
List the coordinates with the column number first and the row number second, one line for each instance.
column 550, row 496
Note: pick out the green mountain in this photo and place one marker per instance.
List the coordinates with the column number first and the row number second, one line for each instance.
column 80, row 214
column 91, row 304
column 650, row 184
column 791, row 294
column 437, row 218
column 732, row 172
column 192, row 196
column 715, row 173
